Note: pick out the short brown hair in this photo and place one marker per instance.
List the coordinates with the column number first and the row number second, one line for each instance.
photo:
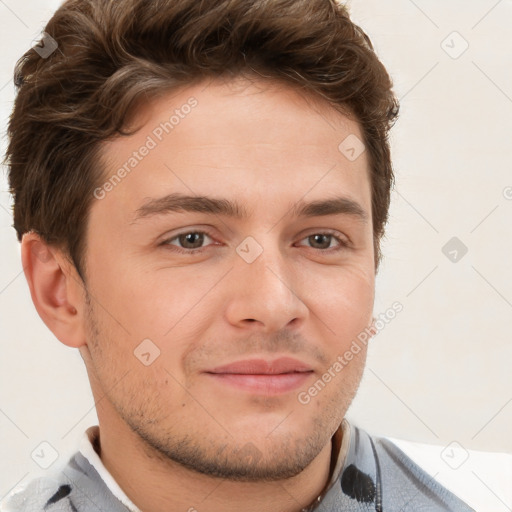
column 112, row 54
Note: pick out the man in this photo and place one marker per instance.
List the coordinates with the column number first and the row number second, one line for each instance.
column 200, row 191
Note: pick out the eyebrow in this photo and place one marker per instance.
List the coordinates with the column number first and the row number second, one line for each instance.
column 202, row 204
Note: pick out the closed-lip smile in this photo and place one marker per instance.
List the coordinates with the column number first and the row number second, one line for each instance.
column 261, row 376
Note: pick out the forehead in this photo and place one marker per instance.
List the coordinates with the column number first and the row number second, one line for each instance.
column 254, row 139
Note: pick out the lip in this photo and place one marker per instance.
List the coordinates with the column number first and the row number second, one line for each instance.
column 260, row 376
column 263, row 367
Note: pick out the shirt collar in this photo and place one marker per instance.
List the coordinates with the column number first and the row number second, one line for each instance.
column 89, row 448
column 340, row 446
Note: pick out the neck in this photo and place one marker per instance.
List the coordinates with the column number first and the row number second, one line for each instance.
column 155, row 484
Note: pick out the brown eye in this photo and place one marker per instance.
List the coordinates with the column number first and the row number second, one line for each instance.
column 320, row 241
column 324, row 242
column 191, row 240
column 188, row 242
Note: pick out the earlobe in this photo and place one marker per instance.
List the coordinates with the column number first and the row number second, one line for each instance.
column 54, row 289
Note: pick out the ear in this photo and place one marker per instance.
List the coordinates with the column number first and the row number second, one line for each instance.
column 56, row 289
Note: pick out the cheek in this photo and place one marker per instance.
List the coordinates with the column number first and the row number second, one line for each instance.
column 145, row 303
column 343, row 300
column 173, row 308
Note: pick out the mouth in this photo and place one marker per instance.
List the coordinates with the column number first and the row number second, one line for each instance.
column 263, row 377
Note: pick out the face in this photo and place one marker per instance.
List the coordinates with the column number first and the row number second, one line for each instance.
column 227, row 269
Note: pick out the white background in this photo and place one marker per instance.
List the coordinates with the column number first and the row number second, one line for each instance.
column 440, row 371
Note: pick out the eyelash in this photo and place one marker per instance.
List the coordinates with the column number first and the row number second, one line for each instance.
column 343, row 244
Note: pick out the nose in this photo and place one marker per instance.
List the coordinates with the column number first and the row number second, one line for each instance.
column 265, row 294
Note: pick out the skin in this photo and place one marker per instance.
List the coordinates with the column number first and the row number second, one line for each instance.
column 173, row 436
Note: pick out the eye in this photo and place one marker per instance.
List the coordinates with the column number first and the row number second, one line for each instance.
column 324, row 241
column 190, row 241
